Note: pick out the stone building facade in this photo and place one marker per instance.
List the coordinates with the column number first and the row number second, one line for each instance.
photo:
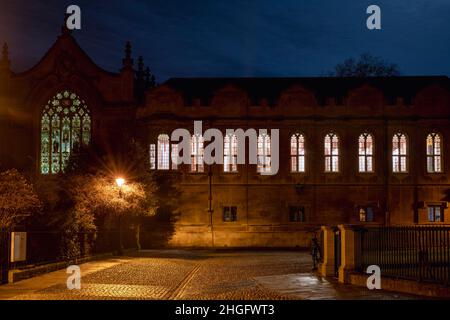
column 371, row 151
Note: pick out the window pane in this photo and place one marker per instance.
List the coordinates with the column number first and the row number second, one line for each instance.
column 369, row 164
column 301, row 145
column 301, row 164
column 264, row 161
column 369, row 145
column 430, row 167
column 294, row 145
column 335, row 164
column 403, row 164
column 327, row 164
column 163, row 152
column 335, row 145
column 429, row 145
column 437, row 163
column 437, row 214
column 403, row 144
column 395, row 164
column 361, row 145
column 327, row 145
column 197, row 153
column 294, row 164
column 437, row 145
column 362, row 164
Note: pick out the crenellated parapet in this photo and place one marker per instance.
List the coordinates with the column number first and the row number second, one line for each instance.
column 300, row 97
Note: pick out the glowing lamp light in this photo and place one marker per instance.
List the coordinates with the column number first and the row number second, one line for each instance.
column 120, row 182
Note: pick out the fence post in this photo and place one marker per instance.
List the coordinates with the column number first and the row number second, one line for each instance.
column 326, row 267
column 347, row 252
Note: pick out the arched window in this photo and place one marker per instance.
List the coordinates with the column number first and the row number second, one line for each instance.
column 230, row 153
column 197, row 153
column 65, row 125
column 399, row 153
column 331, row 148
column 163, row 152
column 264, row 152
column 365, row 152
column 297, row 153
column 434, row 147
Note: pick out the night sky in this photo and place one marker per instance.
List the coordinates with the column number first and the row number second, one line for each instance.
column 236, row 38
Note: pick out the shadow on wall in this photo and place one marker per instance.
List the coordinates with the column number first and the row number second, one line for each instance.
column 157, row 231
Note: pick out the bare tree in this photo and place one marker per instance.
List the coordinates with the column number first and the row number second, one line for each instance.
column 366, row 65
column 17, row 199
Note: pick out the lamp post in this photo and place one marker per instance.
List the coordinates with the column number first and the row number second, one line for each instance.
column 210, row 209
column 120, row 182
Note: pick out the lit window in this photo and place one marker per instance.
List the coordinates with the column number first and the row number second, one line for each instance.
column 399, row 153
column 331, row 145
column 163, row 152
column 230, row 153
column 65, row 125
column 197, row 153
column 434, row 144
column 297, row 153
column 152, row 156
column 264, row 161
column 365, row 152
column 229, row 214
column 435, row 214
column 366, row 214
column 296, row 214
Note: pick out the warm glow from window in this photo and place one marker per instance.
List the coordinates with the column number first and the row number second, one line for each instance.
column 331, row 148
column 434, row 146
column 297, row 153
column 399, row 153
column 365, row 152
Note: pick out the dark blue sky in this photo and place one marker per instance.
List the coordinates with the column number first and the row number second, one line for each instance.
column 236, row 38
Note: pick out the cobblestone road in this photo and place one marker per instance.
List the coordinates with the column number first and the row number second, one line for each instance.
column 174, row 274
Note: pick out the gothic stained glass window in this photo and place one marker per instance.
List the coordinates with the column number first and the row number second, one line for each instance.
column 365, row 152
column 399, row 153
column 264, row 153
column 197, row 154
column 230, row 153
column 331, row 146
column 434, row 146
column 65, row 123
column 163, row 152
column 297, row 153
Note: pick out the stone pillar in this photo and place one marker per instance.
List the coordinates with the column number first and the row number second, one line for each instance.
column 347, row 252
column 326, row 268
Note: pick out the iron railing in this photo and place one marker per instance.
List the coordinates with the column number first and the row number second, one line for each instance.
column 47, row 247
column 419, row 253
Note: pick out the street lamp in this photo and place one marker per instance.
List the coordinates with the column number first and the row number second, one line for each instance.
column 120, row 182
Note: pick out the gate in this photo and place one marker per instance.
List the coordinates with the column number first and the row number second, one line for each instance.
column 4, row 255
column 337, row 252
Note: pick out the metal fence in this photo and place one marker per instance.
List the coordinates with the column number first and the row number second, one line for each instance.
column 47, row 247
column 418, row 253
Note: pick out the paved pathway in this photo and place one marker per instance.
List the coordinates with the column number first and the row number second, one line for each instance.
column 199, row 274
